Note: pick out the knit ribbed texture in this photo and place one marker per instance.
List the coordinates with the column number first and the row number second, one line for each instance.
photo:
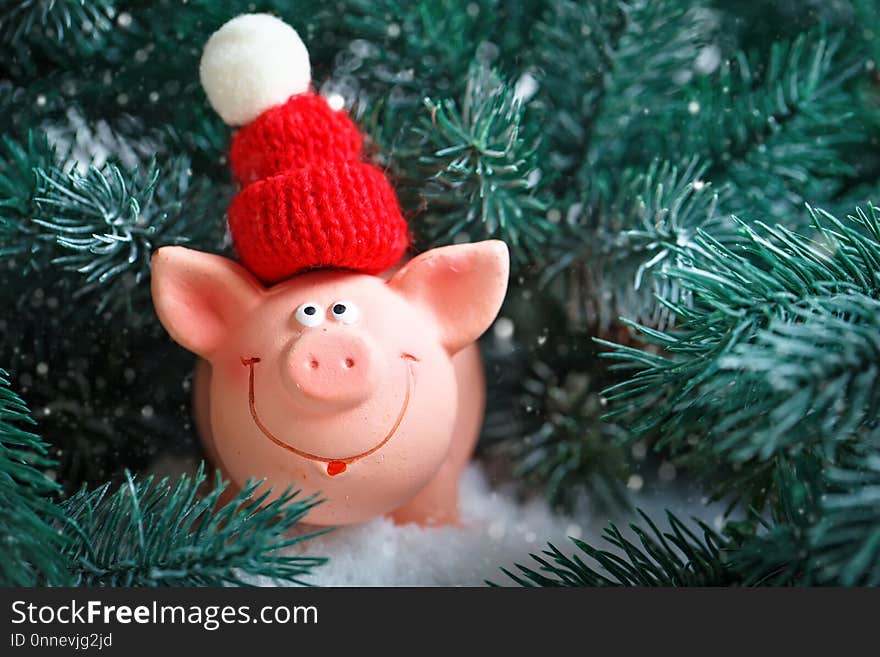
column 308, row 200
column 304, row 129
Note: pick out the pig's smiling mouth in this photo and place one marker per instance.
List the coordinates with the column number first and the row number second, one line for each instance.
column 335, row 466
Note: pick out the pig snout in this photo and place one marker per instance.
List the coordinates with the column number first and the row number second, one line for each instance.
column 334, row 370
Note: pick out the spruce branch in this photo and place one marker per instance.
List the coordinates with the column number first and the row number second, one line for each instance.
column 31, row 546
column 774, row 125
column 54, row 21
column 613, row 249
column 822, row 530
column 771, row 549
column 76, row 305
column 812, row 373
column 416, row 50
column 770, row 355
column 609, row 120
column 596, row 28
column 160, row 533
column 680, row 556
column 485, row 178
column 544, row 418
column 18, row 182
column 102, row 224
column 108, row 222
column 146, row 54
column 867, row 12
column 845, row 541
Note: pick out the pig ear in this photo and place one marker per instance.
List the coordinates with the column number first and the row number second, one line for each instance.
column 462, row 285
column 199, row 297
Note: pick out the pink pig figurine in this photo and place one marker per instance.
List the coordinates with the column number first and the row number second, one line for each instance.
column 321, row 369
column 369, row 392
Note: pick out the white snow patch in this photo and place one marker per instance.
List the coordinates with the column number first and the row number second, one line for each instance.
column 496, row 530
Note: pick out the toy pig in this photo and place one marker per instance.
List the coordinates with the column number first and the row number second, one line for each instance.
column 321, row 369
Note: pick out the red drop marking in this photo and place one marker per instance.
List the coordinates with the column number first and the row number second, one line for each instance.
column 335, row 467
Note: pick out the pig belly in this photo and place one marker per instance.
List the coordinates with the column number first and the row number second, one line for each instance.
column 437, row 502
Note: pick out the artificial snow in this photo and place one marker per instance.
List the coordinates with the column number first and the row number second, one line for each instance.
column 496, row 530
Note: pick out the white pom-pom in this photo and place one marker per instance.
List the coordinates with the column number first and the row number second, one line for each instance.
column 252, row 63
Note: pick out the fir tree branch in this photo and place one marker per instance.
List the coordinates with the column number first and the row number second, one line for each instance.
column 546, row 421
column 812, row 373
column 31, row 549
column 612, row 250
column 814, row 538
column 53, row 21
column 147, row 58
column 68, row 236
column 485, row 179
column 415, row 50
column 627, row 107
column 103, row 224
column 867, row 12
column 773, row 127
column 678, row 557
column 157, row 533
column 770, row 355
column 824, row 528
column 596, row 28
column 770, row 549
column 107, row 404
column 845, row 541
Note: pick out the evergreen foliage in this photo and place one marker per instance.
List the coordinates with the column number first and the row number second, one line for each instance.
column 679, row 557
column 149, row 533
column 486, row 168
column 544, row 418
column 101, row 224
column 644, row 160
column 773, row 125
column 765, row 387
column 30, row 551
column 158, row 533
column 773, row 353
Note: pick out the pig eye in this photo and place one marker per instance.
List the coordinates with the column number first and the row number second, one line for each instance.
column 309, row 314
column 345, row 312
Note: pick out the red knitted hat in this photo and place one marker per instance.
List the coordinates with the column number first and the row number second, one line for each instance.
column 308, row 200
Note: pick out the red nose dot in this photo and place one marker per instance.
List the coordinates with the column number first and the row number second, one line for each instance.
column 335, row 467
column 313, row 363
column 349, row 363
